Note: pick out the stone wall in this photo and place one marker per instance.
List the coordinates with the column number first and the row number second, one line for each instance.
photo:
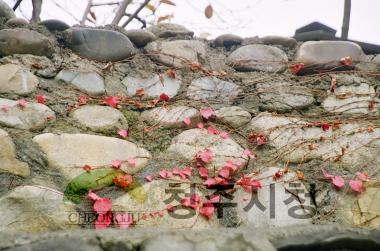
column 167, row 107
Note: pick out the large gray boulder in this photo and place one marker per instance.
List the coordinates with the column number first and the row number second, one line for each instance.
column 6, row 11
column 98, row 44
column 257, row 57
column 24, row 41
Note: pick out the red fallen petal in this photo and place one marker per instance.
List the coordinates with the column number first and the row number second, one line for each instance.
column 195, row 198
column 165, row 174
column 149, row 178
column 230, row 165
column 327, row 176
column 187, row 121
column 356, row 185
column 112, row 101
column 170, row 208
column 338, row 181
column 124, row 220
column 223, row 135
column 224, row 172
column 200, row 125
column 93, row 196
column 295, row 68
column 207, row 210
column 82, row 100
column 116, row 163
column 221, row 181
column 186, row 202
column 102, row 221
column 362, row 176
column 210, row 182
column 188, row 171
column 203, row 173
column 206, row 112
column 131, row 161
column 205, row 156
column 211, row 130
column 161, row 214
column 21, row 103
column 102, row 205
column 164, row 97
column 87, row 168
column 40, row 99
column 123, row 133
column 5, row 108
column 214, row 199
column 325, row 127
column 247, row 153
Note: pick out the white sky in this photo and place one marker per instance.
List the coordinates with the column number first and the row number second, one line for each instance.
column 242, row 17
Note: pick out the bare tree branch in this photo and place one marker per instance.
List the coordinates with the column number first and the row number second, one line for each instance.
column 16, row 5
column 142, row 21
column 120, row 12
column 86, row 11
column 37, row 5
column 346, row 19
column 134, row 15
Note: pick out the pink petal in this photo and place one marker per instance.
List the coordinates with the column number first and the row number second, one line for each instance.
column 124, row 220
column 206, row 112
column 205, row 156
column 93, row 196
column 5, row 108
column 102, row 221
column 102, row 205
column 149, row 178
column 21, row 103
column 131, row 161
column 123, row 133
column 116, row 163
column 338, row 181
column 326, row 174
column 247, row 153
column 207, row 210
column 223, row 135
column 203, row 173
column 224, row 172
column 211, row 130
column 356, row 185
column 112, row 101
column 200, row 125
column 187, row 121
column 362, row 176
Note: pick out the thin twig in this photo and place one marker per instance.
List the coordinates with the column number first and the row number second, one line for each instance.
column 134, row 15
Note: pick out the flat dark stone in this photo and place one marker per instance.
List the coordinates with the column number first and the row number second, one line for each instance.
column 98, row 44
column 55, row 25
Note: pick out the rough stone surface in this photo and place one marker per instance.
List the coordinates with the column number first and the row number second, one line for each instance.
column 298, row 142
column 178, row 53
column 321, row 52
column 140, row 37
column 165, row 30
column 153, row 196
column 89, row 82
column 283, row 97
column 258, row 57
column 70, row 152
column 34, row 209
column 153, row 86
column 9, row 163
column 274, row 197
column 233, row 115
column 24, row 41
column 54, row 25
column 172, row 117
column 100, row 118
column 211, row 88
column 278, row 40
column 16, row 21
column 227, row 40
column 352, row 99
column 6, row 11
column 99, row 44
column 190, row 142
column 33, row 116
column 15, row 79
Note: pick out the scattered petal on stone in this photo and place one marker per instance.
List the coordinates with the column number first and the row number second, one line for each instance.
column 123, row 133
column 356, row 185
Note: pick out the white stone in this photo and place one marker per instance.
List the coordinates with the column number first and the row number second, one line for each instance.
column 258, row 57
column 233, row 115
column 275, row 212
column 211, row 88
column 153, row 86
column 9, row 163
column 33, row 116
column 172, row 117
column 357, row 100
column 70, row 152
column 178, row 53
column 15, row 79
column 153, row 197
column 35, row 209
column 89, row 82
column 100, row 118
column 187, row 144
column 321, row 52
